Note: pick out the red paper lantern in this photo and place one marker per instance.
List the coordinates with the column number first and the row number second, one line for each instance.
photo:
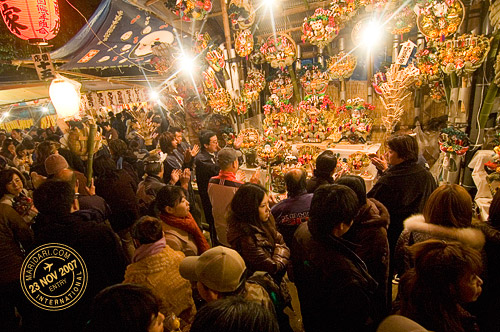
column 36, row 21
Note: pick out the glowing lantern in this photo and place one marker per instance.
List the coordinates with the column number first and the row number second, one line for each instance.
column 65, row 96
column 35, row 21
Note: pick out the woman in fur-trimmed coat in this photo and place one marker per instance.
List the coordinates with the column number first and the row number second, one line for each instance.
column 447, row 216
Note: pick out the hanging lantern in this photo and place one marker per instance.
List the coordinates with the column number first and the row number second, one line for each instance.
column 34, row 21
column 65, row 96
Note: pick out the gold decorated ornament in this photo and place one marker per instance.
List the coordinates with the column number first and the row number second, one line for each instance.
column 254, row 84
column 317, row 119
column 189, row 10
column 343, row 11
column 276, row 105
column 358, row 161
column 463, row 54
column 201, row 42
column 282, row 86
column 250, row 140
column 439, row 18
column 307, row 154
column 210, row 84
column 270, row 153
column 355, row 124
column 402, row 22
column 427, row 61
column 241, row 106
column 437, row 92
column 341, row 66
column 241, row 14
column 280, row 126
column 220, row 101
column 279, row 52
column 320, row 28
column 313, row 80
column 394, row 91
column 243, row 43
column 215, row 59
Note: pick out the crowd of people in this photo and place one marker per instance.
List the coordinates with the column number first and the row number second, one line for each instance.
column 175, row 237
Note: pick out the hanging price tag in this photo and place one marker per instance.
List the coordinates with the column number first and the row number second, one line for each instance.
column 404, row 54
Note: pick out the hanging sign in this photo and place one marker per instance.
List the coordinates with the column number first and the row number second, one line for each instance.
column 404, row 54
column 44, row 67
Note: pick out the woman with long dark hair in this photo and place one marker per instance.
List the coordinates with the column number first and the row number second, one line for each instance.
column 252, row 232
column 445, row 277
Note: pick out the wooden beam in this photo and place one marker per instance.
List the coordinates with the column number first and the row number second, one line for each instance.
column 151, row 2
column 93, row 77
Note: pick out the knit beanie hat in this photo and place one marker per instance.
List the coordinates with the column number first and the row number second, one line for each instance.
column 55, row 163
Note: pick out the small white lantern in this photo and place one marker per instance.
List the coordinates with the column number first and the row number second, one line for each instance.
column 65, row 96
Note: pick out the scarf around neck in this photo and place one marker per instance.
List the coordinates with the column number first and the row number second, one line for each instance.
column 150, row 249
column 187, row 224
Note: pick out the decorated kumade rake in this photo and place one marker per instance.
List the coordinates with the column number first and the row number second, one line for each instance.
column 279, row 52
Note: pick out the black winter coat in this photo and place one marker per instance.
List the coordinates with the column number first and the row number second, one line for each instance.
column 403, row 189
column 369, row 233
column 335, row 289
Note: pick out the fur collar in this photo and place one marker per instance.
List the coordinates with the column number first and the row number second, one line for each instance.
column 473, row 237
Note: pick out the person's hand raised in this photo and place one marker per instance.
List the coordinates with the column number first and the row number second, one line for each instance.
column 185, row 178
column 379, row 162
column 195, row 150
column 175, row 176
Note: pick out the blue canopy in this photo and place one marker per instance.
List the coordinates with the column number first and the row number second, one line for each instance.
column 118, row 34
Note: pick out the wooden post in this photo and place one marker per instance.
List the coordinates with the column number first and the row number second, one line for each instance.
column 225, row 21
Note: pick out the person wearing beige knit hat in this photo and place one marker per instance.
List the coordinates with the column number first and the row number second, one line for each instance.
column 55, row 163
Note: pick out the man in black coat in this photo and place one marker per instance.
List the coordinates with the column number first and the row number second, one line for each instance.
column 95, row 242
column 403, row 188
column 207, row 167
column 335, row 289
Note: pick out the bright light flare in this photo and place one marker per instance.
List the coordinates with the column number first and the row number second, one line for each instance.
column 153, row 95
column 187, row 64
column 45, row 109
column 371, row 34
column 269, row 3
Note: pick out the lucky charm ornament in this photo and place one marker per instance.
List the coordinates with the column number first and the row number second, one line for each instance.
column 320, row 28
column 243, row 43
column 279, row 52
